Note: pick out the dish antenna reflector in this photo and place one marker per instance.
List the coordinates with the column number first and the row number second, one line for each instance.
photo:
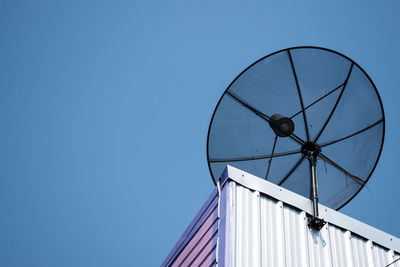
column 306, row 118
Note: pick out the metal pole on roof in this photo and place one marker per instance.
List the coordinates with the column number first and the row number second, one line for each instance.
column 314, row 183
column 314, row 222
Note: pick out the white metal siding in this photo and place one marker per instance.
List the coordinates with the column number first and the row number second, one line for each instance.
column 267, row 232
column 262, row 224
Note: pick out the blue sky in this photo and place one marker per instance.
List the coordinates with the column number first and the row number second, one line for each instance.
column 105, row 107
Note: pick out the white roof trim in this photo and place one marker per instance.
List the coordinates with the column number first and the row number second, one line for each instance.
column 329, row 215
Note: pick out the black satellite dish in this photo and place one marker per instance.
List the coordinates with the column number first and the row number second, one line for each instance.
column 296, row 113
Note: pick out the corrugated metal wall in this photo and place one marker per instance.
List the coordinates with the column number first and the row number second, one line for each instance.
column 256, row 229
column 200, row 251
column 197, row 246
column 266, row 232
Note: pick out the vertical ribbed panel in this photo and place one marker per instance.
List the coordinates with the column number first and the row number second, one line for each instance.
column 393, row 258
column 360, row 250
column 339, row 242
column 266, row 232
column 272, row 236
column 380, row 255
column 319, row 247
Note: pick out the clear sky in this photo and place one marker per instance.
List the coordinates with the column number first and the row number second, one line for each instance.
column 105, row 107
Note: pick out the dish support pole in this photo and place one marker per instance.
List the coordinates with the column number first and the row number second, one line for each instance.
column 314, row 222
column 314, row 183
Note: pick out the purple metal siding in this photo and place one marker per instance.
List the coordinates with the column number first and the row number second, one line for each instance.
column 201, row 244
column 197, row 245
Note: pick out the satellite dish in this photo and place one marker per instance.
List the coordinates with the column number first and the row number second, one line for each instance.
column 298, row 113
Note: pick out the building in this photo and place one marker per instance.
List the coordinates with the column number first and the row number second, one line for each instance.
column 248, row 221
